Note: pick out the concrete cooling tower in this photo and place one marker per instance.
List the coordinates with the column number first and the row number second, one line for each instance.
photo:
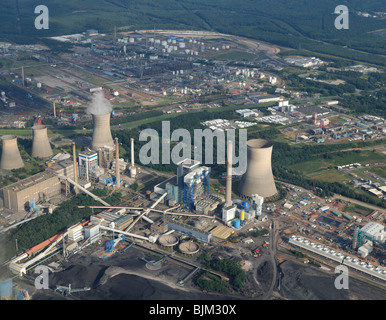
column 41, row 147
column 10, row 157
column 102, row 134
column 258, row 179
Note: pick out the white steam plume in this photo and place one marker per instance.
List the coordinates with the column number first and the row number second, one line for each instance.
column 99, row 104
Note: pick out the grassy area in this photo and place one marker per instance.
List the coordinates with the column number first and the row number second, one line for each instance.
column 236, row 56
column 23, row 132
column 330, row 177
column 356, row 208
column 380, row 171
column 16, row 132
column 338, row 159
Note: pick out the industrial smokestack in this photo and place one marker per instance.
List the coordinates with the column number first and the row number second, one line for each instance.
column 22, row 76
column 101, row 135
column 41, row 147
column 258, row 179
column 228, row 195
column 133, row 170
column 132, row 152
column 54, row 110
column 118, row 174
column 75, row 164
column 10, row 157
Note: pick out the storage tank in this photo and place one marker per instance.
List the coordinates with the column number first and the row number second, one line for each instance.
column 236, row 223
column 41, row 147
column 6, row 289
column 258, row 178
column 10, row 157
column 242, row 215
column 245, row 205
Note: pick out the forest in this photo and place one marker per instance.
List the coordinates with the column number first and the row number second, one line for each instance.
column 48, row 225
column 295, row 24
column 230, row 268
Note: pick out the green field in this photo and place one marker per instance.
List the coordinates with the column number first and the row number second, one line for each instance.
column 330, row 177
column 338, row 159
column 356, row 208
column 235, row 56
column 380, row 171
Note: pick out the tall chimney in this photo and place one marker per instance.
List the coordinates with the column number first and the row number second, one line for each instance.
column 118, row 174
column 41, row 147
column 132, row 152
column 10, row 156
column 22, row 75
column 133, row 170
column 228, row 195
column 54, row 110
column 76, row 178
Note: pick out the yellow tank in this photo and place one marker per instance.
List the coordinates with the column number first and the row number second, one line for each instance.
column 242, row 214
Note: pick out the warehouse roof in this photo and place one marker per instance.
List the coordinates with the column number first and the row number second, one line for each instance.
column 30, row 181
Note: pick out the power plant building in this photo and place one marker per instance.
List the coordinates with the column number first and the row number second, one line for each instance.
column 88, row 166
column 41, row 186
column 196, row 183
column 257, row 204
column 190, row 185
column 189, row 230
column 106, row 157
column 65, row 168
column 374, row 231
column 258, row 178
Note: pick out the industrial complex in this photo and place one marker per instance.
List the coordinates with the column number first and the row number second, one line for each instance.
column 182, row 226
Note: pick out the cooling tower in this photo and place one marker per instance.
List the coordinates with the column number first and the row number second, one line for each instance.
column 41, row 147
column 10, row 157
column 258, row 179
column 101, row 135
